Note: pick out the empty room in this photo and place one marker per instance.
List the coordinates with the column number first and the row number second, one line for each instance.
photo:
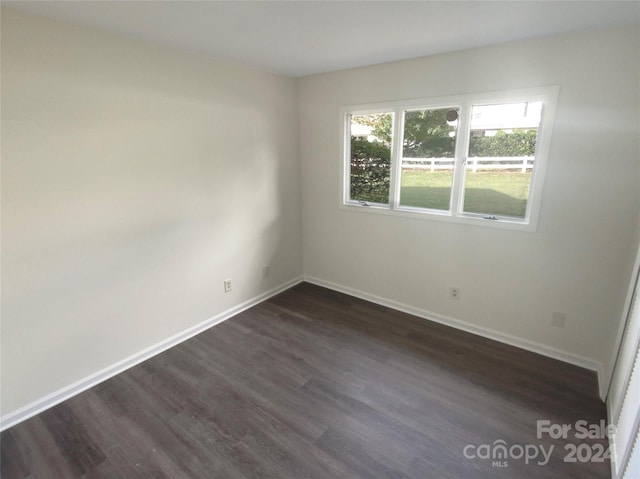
column 320, row 239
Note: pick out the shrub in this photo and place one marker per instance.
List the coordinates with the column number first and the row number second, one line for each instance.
column 518, row 143
column 370, row 170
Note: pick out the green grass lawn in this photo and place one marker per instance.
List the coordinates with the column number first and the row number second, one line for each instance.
column 502, row 193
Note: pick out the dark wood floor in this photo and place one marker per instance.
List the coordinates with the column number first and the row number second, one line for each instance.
column 313, row 384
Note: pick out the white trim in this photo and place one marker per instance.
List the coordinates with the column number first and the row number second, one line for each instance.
column 521, row 343
column 635, row 273
column 436, row 215
column 620, row 459
column 547, row 94
column 613, row 462
column 621, row 395
column 633, row 434
column 96, row 378
column 635, row 444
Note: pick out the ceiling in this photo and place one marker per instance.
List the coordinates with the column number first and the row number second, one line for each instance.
column 298, row 38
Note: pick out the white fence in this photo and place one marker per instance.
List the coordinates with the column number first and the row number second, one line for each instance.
column 522, row 163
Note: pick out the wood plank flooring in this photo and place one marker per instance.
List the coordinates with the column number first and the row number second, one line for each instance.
column 314, row 384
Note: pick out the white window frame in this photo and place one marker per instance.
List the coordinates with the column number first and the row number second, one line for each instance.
column 547, row 95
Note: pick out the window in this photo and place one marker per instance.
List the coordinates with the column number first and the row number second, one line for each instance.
column 472, row 158
column 370, row 165
column 428, row 158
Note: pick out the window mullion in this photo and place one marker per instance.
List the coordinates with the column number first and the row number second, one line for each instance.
column 462, row 150
column 396, row 158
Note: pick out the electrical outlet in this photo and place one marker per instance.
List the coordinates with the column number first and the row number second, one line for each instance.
column 265, row 270
column 227, row 285
column 454, row 293
column 558, row 320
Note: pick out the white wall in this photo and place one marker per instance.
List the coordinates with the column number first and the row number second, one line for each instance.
column 579, row 259
column 135, row 180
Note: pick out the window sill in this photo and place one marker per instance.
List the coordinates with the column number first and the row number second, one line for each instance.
column 444, row 216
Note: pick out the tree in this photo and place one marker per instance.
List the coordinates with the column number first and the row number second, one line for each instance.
column 381, row 124
column 427, row 135
column 426, row 132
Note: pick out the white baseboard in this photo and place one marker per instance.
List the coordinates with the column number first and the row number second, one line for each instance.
column 77, row 387
column 472, row 328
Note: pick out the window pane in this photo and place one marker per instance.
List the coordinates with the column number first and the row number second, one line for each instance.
column 370, row 169
column 501, row 158
column 428, row 157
